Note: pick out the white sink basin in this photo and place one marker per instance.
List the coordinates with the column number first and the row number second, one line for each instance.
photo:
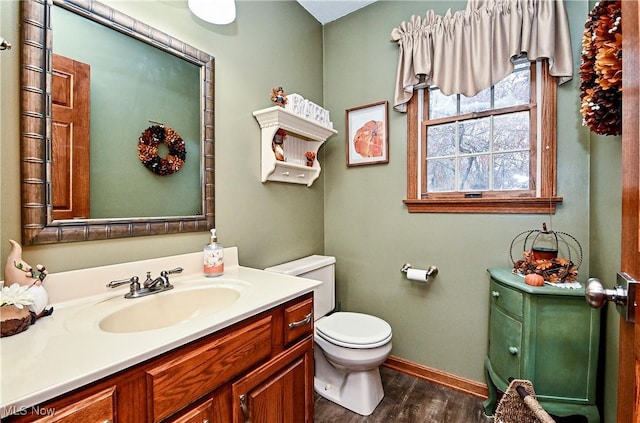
column 168, row 308
column 184, row 303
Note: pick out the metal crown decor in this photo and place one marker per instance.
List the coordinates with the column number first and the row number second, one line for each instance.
column 541, row 254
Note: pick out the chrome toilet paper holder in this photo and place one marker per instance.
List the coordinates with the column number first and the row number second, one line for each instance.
column 432, row 271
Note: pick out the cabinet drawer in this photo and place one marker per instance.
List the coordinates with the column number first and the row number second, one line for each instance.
column 509, row 299
column 179, row 382
column 505, row 344
column 298, row 320
column 95, row 408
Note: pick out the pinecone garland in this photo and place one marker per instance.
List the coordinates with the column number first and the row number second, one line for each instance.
column 601, row 69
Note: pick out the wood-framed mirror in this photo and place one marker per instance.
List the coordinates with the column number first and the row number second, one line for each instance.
column 39, row 223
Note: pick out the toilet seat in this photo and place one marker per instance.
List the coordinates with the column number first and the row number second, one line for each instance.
column 354, row 330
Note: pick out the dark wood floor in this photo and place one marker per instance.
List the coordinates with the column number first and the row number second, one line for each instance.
column 408, row 399
column 411, row 400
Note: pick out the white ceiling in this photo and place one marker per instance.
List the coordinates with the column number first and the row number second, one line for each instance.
column 326, row 11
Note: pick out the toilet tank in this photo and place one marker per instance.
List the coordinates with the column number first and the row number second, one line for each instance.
column 320, row 268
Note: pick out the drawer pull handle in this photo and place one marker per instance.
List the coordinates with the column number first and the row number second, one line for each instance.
column 244, row 408
column 513, row 350
column 495, row 294
column 302, row 322
column 301, row 175
column 285, row 173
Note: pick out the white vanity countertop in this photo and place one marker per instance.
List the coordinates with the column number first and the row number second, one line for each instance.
column 68, row 350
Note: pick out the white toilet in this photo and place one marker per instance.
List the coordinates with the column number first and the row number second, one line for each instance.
column 349, row 347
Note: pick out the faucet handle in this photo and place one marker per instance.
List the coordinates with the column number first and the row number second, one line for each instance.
column 132, row 280
column 172, row 271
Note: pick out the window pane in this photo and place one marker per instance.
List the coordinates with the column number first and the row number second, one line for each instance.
column 442, row 140
column 441, row 175
column 511, row 132
column 474, row 173
column 513, row 90
column 441, row 105
column 477, row 103
column 474, row 135
column 511, row 171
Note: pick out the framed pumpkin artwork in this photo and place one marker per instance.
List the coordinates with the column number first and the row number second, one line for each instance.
column 367, row 133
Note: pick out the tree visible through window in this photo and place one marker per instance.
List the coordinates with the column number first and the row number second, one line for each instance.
column 484, row 152
column 467, row 153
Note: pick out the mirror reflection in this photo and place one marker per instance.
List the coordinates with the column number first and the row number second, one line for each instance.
column 128, row 148
column 132, row 86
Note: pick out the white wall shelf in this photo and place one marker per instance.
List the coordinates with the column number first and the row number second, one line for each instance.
column 302, row 135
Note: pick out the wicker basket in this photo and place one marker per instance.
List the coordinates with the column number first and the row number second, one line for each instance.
column 519, row 405
column 14, row 320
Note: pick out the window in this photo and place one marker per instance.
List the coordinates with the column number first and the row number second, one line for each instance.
column 494, row 152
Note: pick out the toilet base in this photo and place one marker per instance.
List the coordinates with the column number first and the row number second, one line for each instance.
column 360, row 391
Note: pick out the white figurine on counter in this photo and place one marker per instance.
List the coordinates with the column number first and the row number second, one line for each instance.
column 17, row 271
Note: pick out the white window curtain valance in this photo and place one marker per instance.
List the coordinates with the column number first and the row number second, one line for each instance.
column 470, row 50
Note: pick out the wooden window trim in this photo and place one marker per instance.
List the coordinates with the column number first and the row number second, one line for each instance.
column 503, row 202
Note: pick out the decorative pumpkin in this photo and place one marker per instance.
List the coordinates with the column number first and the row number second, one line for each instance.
column 368, row 139
column 534, row 279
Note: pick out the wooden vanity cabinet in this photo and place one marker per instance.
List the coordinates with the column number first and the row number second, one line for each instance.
column 202, row 381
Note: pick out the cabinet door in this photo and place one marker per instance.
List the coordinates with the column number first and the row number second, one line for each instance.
column 505, row 344
column 563, row 358
column 199, row 414
column 280, row 391
column 216, row 409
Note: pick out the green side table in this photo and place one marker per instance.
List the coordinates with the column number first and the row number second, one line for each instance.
column 547, row 335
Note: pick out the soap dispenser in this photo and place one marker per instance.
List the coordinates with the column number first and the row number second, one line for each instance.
column 213, row 257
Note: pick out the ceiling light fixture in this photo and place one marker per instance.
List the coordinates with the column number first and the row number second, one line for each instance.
column 219, row 12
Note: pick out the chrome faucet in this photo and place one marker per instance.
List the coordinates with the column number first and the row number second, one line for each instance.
column 161, row 282
column 150, row 286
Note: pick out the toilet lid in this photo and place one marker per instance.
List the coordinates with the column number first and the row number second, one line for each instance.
column 354, row 330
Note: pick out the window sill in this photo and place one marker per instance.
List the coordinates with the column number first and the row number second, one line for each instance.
column 536, row 205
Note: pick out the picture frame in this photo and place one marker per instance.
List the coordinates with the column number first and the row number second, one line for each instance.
column 367, row 134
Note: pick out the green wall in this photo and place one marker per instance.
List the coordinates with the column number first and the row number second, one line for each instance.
column 605, row 220
column 443, row 324
column 356, row 214
column 269, row 222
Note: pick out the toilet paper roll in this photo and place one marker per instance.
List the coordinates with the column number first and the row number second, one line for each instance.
column 417, row 275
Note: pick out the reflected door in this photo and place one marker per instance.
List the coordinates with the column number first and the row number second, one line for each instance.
column 70, row 96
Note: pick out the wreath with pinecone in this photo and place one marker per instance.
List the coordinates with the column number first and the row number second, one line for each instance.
column 601, row 69
column 148, row 145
